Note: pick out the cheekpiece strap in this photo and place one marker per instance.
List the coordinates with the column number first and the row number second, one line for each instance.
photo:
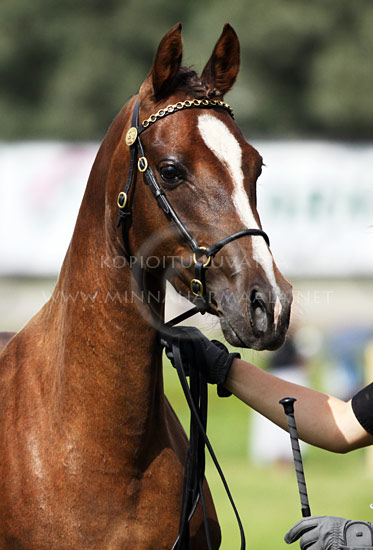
column 131, row 140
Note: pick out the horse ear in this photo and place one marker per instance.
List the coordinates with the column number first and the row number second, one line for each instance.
column 222, row 68
column 167, row 62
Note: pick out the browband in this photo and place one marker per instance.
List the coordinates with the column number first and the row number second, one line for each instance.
column 197, row 284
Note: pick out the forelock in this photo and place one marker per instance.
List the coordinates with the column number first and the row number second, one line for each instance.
column 189, row 81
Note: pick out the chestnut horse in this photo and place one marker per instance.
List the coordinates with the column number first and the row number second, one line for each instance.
column 5, row 337
column 92, row 454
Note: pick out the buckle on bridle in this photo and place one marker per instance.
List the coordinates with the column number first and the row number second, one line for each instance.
column 201, row 250
column 195, row 292
column 122, row 200
column 142, row 164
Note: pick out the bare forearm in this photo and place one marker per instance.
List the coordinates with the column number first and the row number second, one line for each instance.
column 322, row 420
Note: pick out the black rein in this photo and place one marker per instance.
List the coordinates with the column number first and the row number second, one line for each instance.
column 195, row 392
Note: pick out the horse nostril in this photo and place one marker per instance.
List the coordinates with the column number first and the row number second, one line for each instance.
column 258, row 312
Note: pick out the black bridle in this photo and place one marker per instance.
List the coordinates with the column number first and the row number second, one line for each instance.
column 202, row 256
column 196, row 391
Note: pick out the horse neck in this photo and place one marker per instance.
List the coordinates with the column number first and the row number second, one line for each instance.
column 106, row 358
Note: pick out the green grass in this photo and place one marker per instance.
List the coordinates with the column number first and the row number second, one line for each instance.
column 267, row 497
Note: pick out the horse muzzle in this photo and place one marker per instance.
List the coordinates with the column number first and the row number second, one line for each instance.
column 256, row 319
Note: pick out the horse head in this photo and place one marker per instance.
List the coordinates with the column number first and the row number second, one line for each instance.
column 202, row 164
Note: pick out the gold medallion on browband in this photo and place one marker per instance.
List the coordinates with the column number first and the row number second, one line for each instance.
column 132, row 133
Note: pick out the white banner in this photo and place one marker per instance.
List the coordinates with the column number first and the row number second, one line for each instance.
column 41, row 188
column 315, row 200
column 316, row 203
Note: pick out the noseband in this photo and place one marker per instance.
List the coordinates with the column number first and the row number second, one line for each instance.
column 202, row 255
column 196, row 392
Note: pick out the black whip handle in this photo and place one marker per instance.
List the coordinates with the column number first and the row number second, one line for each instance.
column 288, row 404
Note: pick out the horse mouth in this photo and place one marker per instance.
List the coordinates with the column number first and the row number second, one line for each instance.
column 245, row 337
column 248, row 321
column 253, row 328
column 237, row 330
column 235, row 336
column 230, row 334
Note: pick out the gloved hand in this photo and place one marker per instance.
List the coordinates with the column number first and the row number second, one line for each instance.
column 331, row 533
column 210, row 357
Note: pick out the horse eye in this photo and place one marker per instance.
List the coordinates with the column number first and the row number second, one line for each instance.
column 170, row 174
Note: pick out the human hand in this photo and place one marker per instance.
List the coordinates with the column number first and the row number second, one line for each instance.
column 210, row 357
column 331, row 533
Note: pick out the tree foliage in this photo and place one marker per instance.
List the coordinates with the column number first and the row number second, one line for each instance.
column 67, row 67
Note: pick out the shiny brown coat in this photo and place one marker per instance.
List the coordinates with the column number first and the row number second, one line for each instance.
column 91, row 453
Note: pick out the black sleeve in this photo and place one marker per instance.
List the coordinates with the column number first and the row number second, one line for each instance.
column 362, row 405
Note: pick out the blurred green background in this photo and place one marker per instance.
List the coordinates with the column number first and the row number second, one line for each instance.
column 67, row 67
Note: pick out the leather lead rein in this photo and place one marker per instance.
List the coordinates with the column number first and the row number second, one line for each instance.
column 196, row 392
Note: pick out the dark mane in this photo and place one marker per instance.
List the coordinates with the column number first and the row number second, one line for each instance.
column 189, row 81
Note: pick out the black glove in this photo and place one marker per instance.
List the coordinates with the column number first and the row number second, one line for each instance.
column 210, row 357
column 331, row 533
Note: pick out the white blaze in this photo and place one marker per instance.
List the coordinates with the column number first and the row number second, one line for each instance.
column 226, row 148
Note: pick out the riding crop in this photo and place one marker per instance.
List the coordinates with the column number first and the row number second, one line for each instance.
column 288, row 404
